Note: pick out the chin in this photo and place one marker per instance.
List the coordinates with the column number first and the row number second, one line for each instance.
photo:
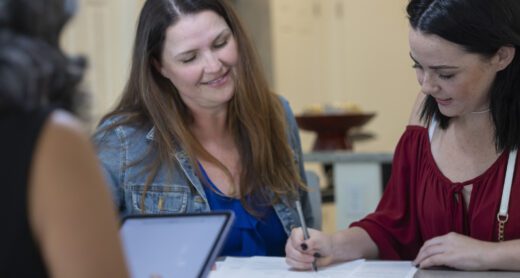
column 228, row 93
column 222, row 99
column 448, row 113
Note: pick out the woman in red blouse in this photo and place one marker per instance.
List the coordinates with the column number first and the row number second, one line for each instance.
column 447, row 201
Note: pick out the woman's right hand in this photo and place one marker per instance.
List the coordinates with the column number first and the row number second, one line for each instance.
column 300, row 253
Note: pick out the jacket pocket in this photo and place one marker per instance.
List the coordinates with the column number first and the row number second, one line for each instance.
column 159, row 198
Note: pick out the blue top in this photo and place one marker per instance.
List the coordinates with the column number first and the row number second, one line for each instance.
column 249, row 236
column 127, row 150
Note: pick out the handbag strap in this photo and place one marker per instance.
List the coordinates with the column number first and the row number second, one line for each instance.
column 502, row 215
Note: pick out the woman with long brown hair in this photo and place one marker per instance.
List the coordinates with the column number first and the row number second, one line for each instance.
column 197, row 128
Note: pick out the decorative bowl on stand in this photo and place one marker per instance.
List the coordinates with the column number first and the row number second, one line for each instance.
column 333, row 134
column 332, row 129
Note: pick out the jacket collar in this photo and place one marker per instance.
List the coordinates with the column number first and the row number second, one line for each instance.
column 150, row 134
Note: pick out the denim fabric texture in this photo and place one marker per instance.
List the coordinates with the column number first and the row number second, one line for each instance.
column 176, row 187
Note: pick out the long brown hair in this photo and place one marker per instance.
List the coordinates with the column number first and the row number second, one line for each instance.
column 256, row 116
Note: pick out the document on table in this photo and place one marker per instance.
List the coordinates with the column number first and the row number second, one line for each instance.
column 261, row 267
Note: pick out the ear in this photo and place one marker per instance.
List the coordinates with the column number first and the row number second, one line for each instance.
column 157, row 65
column 504, row 56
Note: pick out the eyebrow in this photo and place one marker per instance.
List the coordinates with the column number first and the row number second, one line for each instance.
column 434, row 67
column 223, row 33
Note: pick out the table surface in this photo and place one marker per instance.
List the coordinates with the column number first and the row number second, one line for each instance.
column 438, row 273
column 441, row 272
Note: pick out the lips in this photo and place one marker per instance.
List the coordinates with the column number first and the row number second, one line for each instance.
column 219, row 81
column 444, row 101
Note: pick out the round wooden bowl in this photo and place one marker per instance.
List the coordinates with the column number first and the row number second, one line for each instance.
column 332, row 130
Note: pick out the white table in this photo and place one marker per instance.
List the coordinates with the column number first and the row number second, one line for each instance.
column 357, row 182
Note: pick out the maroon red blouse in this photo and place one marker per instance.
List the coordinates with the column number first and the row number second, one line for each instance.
column 420, row 203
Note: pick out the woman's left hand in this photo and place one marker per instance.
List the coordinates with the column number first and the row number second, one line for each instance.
column 454, row 250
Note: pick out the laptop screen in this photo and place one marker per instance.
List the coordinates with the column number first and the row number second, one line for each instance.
column 181, row 245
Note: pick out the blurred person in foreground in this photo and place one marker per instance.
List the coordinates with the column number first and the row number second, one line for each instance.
column 57, row 216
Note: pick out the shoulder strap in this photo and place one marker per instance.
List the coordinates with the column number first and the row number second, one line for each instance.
column 431, row 128
column 510, row 170
column 502, row 215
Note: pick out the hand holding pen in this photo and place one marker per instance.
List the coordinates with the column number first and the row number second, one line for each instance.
column 305, row 230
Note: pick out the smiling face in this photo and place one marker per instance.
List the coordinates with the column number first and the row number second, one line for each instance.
column 459, row 81
column 199, row 57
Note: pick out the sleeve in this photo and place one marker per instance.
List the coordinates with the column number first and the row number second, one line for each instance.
column 111, row 149
column 295, row 143
column 394, row 226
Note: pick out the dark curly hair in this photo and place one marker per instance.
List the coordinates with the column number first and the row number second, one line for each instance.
column 34, row 71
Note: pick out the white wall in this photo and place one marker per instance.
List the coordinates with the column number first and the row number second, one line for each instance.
column 103, row 31
column 255, row 16
column 346, row 50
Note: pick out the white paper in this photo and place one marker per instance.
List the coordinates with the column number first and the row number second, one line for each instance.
column 387, row 269
column 261, row 267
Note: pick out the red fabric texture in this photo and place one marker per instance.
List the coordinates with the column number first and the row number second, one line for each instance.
column 420, row 203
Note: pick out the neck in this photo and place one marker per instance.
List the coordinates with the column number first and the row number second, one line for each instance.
column 210, row 127
column 481, row 111
column 477, row 131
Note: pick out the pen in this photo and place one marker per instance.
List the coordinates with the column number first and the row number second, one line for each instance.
column 304, row 228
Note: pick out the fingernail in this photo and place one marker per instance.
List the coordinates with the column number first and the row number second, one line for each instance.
column 317, row 255
column 304, row 246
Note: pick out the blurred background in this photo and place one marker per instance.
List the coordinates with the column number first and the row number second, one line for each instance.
column 315, row 53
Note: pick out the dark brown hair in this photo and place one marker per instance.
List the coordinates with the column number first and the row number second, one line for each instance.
column 34, row 71
column 479, row 27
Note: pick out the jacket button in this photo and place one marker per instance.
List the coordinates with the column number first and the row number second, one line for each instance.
column 198, row 199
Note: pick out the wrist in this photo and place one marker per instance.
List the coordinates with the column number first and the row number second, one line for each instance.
column 489, row 257
column 342, row 249
column 335, row 253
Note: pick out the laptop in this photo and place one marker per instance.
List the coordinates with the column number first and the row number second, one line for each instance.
column 174, row 245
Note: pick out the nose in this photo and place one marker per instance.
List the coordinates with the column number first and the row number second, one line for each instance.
column 428, row 83
column 212, row 63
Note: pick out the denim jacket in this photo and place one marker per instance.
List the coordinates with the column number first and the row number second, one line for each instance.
column 176, row 187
